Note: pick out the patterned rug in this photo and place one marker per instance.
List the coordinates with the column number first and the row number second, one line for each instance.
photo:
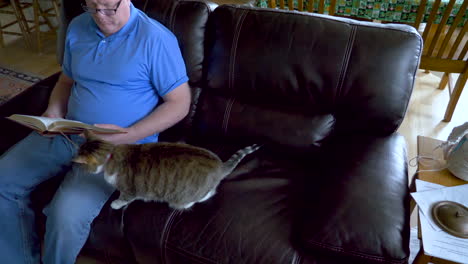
column 13, row 83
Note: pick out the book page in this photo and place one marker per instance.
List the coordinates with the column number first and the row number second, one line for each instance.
column 64, row 123
column 35, row 120
column 70, row 126
column 50, row 125
column 48, row 121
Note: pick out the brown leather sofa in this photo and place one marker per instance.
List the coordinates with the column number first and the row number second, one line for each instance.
column 324, row 95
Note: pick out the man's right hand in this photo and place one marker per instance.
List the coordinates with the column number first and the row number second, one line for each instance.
column 58, row 100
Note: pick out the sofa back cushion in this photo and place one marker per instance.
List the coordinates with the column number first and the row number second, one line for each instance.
column 187, row 20
column 223, row 119
column 355, row 77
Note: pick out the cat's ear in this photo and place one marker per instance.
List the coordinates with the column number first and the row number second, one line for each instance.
column 85, row 160
column 79, row 159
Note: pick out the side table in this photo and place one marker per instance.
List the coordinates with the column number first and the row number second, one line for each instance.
column 427, row 147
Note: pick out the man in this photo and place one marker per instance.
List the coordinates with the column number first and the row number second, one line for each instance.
column 117, row 65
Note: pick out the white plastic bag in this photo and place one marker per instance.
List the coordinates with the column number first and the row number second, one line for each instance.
column 456, row 152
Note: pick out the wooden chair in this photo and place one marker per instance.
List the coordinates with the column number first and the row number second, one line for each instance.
column 445, row 47
column 42, row 16
column 305, row 5
column 14, row 8
column 27, row 26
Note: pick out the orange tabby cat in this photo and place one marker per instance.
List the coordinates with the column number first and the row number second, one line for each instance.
column 176, row 173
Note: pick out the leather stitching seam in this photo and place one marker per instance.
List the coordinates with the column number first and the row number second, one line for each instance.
column 296, row 259
column 165, row 234
column 357, row 254
column 196, row 258
column 347, row 55
column 235, row 40
column 227, row 115
column 173, row 16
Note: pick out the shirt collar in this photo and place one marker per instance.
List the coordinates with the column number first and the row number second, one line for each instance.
column 126, row 30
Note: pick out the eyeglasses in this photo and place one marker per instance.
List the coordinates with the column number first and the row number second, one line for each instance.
column 107, row 12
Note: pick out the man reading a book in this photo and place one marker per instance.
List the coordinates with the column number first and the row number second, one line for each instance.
column 121, row 70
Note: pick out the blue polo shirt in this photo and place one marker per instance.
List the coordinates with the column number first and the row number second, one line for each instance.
column 119, row 79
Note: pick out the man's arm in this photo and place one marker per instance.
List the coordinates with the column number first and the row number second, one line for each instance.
column 175, row 107
column 59, row 98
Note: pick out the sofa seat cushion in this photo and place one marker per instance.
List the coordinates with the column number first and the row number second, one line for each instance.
column 364, row 200
column 249, row 220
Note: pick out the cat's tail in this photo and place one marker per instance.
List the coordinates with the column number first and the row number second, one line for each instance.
column 234, row 160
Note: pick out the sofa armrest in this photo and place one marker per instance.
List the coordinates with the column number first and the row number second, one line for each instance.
column 33, row 101
column 360, row 203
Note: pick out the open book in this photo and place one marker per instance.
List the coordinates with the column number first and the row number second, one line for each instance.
column 47, row 125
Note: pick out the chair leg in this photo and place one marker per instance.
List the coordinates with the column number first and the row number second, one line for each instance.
column 57, row 9
column 39, row 13
column 455, row 95
column 444, row 81
column 37, row 25
column 2, row 41
column 23, row 24
column 45, row 16
column 421, row 258
column 412, row 188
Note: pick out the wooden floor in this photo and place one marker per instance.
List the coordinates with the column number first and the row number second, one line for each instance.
column 426, row 112
column 16, row 56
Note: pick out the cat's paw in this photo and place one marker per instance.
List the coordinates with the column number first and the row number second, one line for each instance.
column 117, row 204
column 207, row 196
column 182, row 207
column 187, row 206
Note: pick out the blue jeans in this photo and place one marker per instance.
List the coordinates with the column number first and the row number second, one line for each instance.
column 76, row 203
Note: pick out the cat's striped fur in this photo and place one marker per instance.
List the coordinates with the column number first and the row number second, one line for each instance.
column 176, row 173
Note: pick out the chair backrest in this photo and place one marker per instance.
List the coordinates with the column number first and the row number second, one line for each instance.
column 312, row 6
column 445, row 40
